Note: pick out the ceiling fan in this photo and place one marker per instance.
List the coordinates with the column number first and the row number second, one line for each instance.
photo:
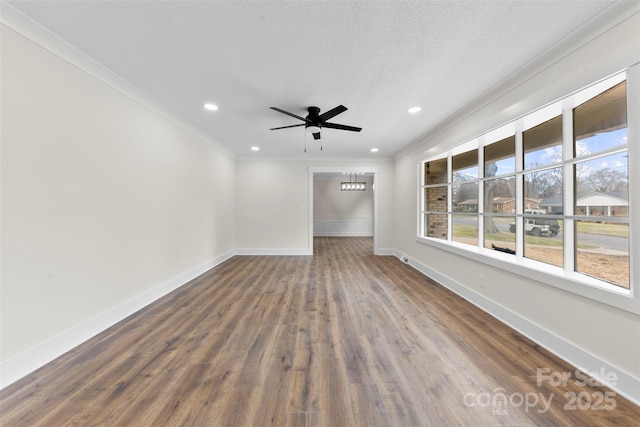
column 315, row 121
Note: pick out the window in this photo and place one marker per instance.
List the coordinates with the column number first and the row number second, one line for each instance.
column 601, row 197
column 435, row 199
column 543, row 183
column 500, row 195
column 464, row 197
column 553, row 196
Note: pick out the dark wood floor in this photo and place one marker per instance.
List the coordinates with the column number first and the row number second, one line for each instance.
column 342, row 338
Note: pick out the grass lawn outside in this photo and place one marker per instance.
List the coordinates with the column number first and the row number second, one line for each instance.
column 607, row 229
column 611, row 268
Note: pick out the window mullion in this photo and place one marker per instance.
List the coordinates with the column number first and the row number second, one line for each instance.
column 422, row 179
column 449, row 197
column 519, row 194
column 568, row 190
column 481, row 202
column 633, row 143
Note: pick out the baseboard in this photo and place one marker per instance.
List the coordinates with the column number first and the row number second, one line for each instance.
column 343, row 234
column 386, row 252
column 25, row 363
column 274, row 251
column 625, row 384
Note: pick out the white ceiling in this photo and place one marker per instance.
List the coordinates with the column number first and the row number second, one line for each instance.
column 376, row 58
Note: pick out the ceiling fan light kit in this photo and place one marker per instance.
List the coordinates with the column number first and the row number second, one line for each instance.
column 314, row 122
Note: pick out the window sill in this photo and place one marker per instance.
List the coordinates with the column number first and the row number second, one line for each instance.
column 546, row 274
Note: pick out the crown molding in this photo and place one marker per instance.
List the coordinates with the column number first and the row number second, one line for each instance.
column 16, row 21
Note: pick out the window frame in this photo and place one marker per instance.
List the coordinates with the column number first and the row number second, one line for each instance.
column 565, row 278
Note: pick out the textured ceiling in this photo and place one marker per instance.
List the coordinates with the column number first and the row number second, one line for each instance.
column 376, row 58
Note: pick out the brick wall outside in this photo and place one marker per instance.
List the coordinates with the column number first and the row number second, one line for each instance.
column 436, row 199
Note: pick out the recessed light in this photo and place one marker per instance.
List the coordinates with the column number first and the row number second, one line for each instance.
column 254, row 148
column 210, row 107
column 414, row 110
column 374, row 150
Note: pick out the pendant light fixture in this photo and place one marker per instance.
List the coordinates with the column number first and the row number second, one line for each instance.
column 353, row 185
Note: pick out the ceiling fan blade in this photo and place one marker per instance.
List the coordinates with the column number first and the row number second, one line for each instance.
column 341, row 127
column 285, row 127
column 332, row 113
column 289, row 114
column 316, row 135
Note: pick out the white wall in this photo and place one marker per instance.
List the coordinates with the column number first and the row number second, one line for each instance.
column 106, row 205
column 342, row 213
column 590, row 334
column 273, row 203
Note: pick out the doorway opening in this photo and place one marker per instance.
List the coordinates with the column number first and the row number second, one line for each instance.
column 343, row 213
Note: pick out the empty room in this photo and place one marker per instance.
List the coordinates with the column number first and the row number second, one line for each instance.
column 320, row 213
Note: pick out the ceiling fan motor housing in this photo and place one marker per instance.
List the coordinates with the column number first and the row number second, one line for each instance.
column 314, row 125
column 314, row 112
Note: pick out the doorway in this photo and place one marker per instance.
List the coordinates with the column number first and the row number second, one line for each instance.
column 324, row 172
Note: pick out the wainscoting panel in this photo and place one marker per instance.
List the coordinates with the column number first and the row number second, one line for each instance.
column 343, row 227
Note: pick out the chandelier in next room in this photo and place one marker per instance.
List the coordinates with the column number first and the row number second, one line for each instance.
column 353, row 185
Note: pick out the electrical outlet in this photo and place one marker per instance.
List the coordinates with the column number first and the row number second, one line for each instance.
column 481, row 280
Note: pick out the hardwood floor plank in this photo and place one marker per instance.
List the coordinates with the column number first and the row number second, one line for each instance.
column 334, row 394
column 367, row 405
column 270, row 405
column 303, row 388
column 296, row 419
column 214, row 381
column 341, row 338
column 232, row 407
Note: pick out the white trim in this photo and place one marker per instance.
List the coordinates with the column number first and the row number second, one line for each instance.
column 36, row 357
column 633, row 147
column 356, row 227
column 346, row 169
column 626, row 385
column 546, row 274
column 25, row 26
column 272, row 251
column 342, row 234
column 422, row 202
column 387, row 252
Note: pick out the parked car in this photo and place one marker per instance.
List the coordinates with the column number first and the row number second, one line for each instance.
column 547, row 227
